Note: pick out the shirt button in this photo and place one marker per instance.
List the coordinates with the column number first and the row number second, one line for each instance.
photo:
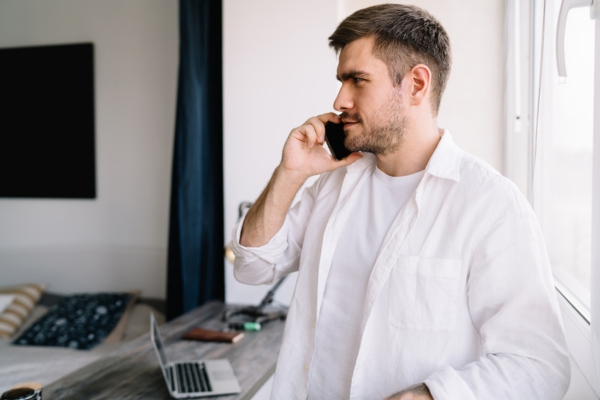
column 306, row 367
column 315, row 326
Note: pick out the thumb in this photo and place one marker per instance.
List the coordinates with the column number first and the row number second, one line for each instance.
column 353, row 157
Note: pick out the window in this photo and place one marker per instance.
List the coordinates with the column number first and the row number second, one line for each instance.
column 550, row 141
column 550, row 154
column 562, row 177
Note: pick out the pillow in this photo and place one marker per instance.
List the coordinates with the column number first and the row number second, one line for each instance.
column 25, row 298
column 80, row 321
column 49, row 299
column 118, row 332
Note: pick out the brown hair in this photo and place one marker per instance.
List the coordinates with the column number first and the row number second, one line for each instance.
column 405, row 36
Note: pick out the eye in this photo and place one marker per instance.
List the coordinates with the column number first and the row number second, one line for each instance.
column 357, row 80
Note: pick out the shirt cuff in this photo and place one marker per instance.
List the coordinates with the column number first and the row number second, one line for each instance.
column 446, row 383
column 269, row 252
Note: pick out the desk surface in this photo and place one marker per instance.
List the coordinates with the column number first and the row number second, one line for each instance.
column 133, row 371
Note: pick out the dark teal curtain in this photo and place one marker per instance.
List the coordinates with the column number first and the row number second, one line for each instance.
column 195, row 262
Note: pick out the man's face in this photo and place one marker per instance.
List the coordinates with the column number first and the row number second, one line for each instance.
column 373, row 110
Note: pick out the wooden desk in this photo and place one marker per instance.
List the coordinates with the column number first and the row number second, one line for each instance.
column 133, row 372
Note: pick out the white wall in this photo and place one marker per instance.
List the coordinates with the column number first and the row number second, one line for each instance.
column 117, row 241
column 278, row 72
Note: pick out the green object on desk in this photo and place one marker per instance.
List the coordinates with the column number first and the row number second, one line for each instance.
column 252, row 326
column 246, row 326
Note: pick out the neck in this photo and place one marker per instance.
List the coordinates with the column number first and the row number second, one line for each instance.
column 418, row 144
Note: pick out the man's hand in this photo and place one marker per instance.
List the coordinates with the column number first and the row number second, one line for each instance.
column 303, row 153
column 415, row 392
column 303, row 157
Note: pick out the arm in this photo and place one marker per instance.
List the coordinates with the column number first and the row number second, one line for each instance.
column 268, row 241
column 512, row 302
column 267, row 215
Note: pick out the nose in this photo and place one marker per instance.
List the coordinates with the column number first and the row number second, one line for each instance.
column 343, row 101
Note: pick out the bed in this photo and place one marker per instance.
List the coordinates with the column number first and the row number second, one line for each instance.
column 43, row 364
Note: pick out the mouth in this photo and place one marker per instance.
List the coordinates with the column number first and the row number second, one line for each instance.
column 348, row 124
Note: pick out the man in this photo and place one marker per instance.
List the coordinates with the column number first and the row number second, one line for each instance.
column 422, row 271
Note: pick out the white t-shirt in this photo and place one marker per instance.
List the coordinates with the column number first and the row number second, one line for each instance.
column 337, row 335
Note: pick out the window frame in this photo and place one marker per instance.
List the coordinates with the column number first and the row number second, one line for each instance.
column 524, row 21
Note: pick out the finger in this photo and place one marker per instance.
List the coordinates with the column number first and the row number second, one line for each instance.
column 310, row 133
column 319, row 123
column 353, row 157
column 324, row 118
column 329, row 117
column 319, row 128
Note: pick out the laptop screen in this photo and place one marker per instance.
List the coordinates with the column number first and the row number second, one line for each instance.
column 158, row 343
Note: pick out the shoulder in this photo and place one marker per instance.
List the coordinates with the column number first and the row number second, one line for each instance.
column 483, row 184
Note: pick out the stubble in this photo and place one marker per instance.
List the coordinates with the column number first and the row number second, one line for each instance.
column 386, row 129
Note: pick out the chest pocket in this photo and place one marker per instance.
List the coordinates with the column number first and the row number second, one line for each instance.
column 424, row 293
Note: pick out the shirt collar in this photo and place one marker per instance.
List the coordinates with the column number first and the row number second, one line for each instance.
column 444, row 163
column 445, row 160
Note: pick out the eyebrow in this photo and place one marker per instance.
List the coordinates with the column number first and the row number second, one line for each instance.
column 351, row 74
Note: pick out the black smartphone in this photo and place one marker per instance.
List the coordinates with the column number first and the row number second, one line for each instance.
column 334, row 136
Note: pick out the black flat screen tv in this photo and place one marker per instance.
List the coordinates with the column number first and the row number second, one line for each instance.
column 47, row 128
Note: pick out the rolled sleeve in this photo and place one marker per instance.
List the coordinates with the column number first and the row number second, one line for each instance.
column 258, row 265
column 445, row 383
column 270, row 252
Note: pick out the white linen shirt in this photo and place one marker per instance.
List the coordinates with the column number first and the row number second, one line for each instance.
column 460, row 297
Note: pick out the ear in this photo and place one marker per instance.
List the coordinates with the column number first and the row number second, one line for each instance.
column 420, row 83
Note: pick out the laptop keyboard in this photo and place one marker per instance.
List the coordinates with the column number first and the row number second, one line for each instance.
column 192, row 378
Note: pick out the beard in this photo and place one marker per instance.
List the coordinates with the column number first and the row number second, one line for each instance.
column 385, row 132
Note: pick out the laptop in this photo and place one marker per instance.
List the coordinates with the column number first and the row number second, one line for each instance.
column 195, row 378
